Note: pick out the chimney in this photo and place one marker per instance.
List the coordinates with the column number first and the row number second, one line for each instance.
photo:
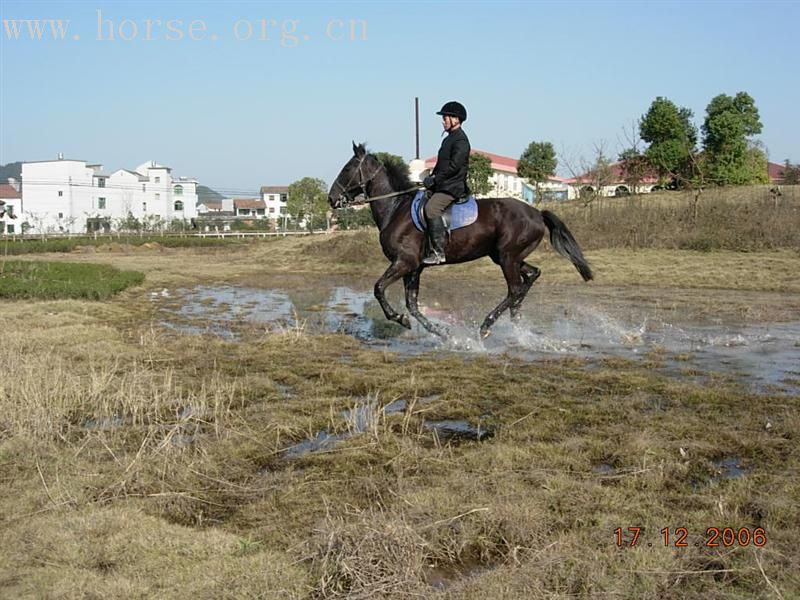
column 14, row 184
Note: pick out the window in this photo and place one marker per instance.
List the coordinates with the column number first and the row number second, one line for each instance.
column 284, row 197
column 283, row 210
column 60, row 193
column 260, row 211
column 10, row 228
column 271, row 209
column 144, row 206
column 101, row 203
column 158, row 179
column 101, row 182
column 178, row 190
column 60, row 215
column 158, row 196
column 178, row 205
column 244, row 211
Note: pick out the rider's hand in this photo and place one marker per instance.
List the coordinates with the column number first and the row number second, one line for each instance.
column 428, row 182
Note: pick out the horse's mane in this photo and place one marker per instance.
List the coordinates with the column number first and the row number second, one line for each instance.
column 397, row 171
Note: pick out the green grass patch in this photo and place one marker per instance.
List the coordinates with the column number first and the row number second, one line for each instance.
column 52, row 281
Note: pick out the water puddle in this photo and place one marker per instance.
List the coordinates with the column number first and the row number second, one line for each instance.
column 444, row 577
column 680, row 331
column 366, row 415
column 449, row 430
column 729, row 467
column 603, row 469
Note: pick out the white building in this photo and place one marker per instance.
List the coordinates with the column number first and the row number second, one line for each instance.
column 10, row 207
column 504, row 179
column 71, row 196
column 275, row 198
column 249, row 208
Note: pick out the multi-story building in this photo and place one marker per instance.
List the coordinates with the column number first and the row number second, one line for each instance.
column 275, row 198
column 10, row 207
column 71, row 196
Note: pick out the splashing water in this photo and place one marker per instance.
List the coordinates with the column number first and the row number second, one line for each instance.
column 763, row 354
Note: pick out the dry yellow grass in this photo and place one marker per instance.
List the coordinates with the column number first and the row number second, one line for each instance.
column 136, row 462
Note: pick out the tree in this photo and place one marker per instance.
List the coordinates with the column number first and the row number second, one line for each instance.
column 730, row 157
column 480, row 171
column 387, row 159
column 672, row 138
column 537, row 164
column 354, row 218
column 791, row 173
column 307, row 199
column 635, row 167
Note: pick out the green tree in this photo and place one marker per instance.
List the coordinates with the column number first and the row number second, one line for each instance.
column 672, row 138
column 387, row 159
column 480, row 170
column 635, row 168
column 730, row 157
column 354, row 218
column 307, row 200
column 537, row 164
column 791, row 173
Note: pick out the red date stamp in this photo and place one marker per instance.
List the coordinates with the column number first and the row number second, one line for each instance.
column 678, row 537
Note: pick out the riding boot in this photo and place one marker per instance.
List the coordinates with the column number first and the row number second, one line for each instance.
column 436, row 241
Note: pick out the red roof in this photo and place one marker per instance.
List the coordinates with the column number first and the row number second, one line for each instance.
column 775, row 172
column 7, row 192
column 617, row 176
column 499, row 163
column 274, row 189
column 251, row 203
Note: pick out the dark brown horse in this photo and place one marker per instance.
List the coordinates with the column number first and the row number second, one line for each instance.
column 507, row 230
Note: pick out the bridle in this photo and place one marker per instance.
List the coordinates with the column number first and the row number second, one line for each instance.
column 362, row 181
column 362, row 185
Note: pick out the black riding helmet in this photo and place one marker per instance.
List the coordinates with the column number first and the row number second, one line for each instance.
column 454, row 109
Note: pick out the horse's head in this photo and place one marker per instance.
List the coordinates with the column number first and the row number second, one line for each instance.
column 353, row 178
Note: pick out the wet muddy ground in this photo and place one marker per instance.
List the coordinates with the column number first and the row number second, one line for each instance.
column 754, row 337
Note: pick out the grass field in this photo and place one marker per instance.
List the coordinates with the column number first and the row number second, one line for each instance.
column 137, row 462
column 46, row 280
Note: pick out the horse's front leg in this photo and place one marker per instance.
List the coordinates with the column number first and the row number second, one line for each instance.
column 411, row 281
column 395, row 271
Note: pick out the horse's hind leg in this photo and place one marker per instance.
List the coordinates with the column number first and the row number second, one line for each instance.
column 392, row 274
column 411, row 281
column 513, row 275
column 529, row 275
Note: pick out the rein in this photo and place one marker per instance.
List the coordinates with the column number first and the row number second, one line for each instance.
column 362, row 184
column 382, row 196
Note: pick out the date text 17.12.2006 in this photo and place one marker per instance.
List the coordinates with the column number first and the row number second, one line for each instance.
column 680, row 537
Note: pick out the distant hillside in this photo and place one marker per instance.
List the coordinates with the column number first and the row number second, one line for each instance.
column 10, row 170
column 206, row 194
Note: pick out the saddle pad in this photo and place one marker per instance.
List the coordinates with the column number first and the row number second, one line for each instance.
column 457, row 215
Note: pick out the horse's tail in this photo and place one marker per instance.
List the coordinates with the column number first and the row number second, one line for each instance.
column 565, row 244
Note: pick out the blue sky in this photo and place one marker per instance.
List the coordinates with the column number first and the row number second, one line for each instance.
column 238, row 113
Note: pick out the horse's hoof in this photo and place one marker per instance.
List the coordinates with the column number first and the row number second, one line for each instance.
column 405, row 321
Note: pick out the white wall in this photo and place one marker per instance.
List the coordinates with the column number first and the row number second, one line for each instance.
column 124, row 193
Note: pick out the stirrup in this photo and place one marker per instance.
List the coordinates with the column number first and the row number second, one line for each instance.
column 434, row 259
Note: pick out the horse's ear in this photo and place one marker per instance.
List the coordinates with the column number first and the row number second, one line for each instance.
column 355, row 148
column 359, row 150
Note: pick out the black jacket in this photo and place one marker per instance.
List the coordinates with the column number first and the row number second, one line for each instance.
column 452, row 164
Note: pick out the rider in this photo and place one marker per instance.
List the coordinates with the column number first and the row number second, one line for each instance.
column 448, row 181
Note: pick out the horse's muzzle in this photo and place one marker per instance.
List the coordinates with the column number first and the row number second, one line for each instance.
column 336, row 202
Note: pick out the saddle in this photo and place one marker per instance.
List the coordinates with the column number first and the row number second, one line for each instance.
column 459, row 214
